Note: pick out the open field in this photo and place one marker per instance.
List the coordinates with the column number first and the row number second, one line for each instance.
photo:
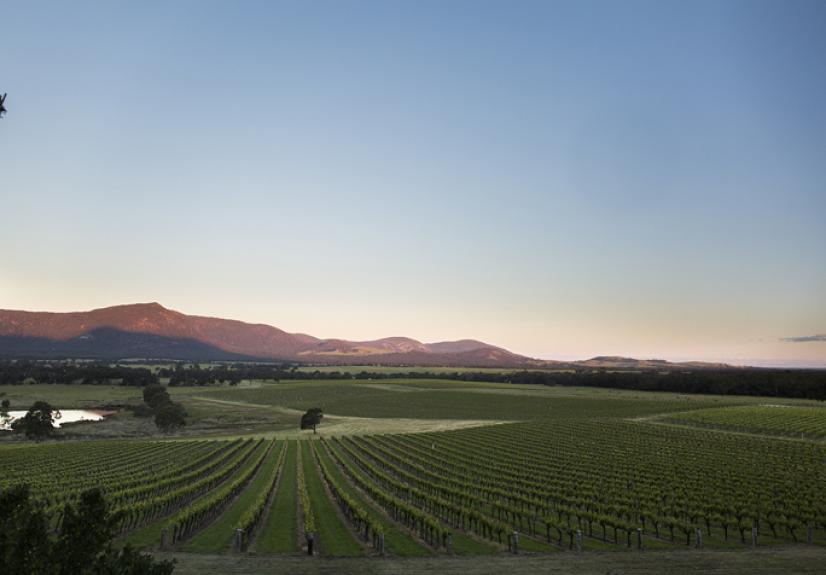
column 347, row 425
column 445, row 470
column 69, row 396
column 438, row 399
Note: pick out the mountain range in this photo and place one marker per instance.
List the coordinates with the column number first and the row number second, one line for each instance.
column 151, row 331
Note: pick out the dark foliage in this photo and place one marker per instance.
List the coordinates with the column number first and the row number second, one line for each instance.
column 18, row 372
column 38, row 422
column 803, row 384
column 142, row 410
column 170, row 416
column 311, row 418
column 792, row 383
column 83, row 546
column 155, row 395
column 197, row 376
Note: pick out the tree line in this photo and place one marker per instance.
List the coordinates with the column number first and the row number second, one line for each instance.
column 788, row 383
column 89, row 373
column 785, row 383
column 801, row 384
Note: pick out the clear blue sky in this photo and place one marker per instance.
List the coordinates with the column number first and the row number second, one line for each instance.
column 564, row 179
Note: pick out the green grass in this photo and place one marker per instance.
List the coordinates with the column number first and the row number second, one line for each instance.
column 334, row 538
column 259, row 408
column 66, row 396
column 280, row 532
column 147, row 537
column 396, row 541
column 205, row 417
column 446, row 400
column 465, row 545
column 534, row 546
column 218, row 536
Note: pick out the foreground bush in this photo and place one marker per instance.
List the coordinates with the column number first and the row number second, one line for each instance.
column 83, row 546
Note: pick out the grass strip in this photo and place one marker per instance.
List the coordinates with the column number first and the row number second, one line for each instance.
column 279, row 533
column 334, row 539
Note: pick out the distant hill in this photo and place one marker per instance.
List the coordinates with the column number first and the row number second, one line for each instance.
column 617, row 362
column 151, row 331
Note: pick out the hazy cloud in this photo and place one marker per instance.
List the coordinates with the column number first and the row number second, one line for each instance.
column 804, row 338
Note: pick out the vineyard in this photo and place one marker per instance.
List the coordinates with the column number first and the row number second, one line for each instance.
column 767, row 419
column 565, row 474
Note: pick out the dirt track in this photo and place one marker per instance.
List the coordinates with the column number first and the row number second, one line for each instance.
column 799, row 559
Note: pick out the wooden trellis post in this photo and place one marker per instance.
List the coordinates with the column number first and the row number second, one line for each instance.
column 239, row 540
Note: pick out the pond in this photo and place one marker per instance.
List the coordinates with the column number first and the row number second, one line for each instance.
column 60, row 417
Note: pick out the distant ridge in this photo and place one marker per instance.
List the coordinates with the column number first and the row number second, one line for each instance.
column 151, row 331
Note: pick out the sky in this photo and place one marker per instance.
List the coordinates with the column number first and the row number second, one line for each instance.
column 564, row 179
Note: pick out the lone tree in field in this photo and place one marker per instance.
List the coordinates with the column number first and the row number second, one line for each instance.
column 155, row 395
column 170, row 416
column 312, row 418
column 38, row 421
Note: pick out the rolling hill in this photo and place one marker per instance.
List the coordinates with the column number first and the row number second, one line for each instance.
column 149, row 330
